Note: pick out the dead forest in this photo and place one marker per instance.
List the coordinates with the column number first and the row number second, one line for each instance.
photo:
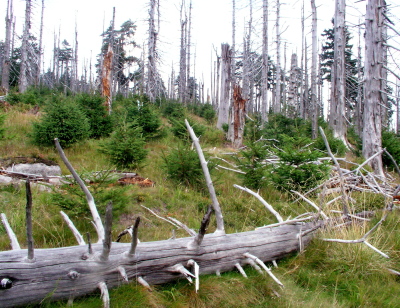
column 282, row 163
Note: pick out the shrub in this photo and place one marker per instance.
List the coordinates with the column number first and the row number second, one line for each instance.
column 298, row 168
column 144, row 116
column 251, row 161
column 63, row 120
column 174, row 110
column 391, row 142
column 182, row 165
column 126, row 147
column 207, row 112
column 96, row 112
column 179, row 128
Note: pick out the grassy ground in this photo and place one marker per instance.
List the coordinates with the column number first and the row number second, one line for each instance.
column 324, row 275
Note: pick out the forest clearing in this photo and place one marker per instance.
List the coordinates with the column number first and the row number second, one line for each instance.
column 267, row 185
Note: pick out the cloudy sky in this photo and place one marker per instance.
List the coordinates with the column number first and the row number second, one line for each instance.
column 211, row 25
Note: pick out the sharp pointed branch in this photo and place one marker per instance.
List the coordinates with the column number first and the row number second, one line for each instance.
column 311, row 203
column 74, row 230
column 144, row 283
column 122, row 271
column 202, row 231
column 254, row 264
column 196, row 270
column 179, row 268
column 241, row 270
column 89, row 197
column 29, row 220
column 90, row 251
column 134, row 242
column 104, row 294
column 261, row 199
column 13, row 238
column 107, row 234
column 267, row 269
column 377, row 250
column 344, row 196
column 206, row 172
column 183, row 226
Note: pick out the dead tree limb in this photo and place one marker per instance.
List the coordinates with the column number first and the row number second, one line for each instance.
column 93, row 209
column 265, row 203
column 210, row 186
column 13, row 238
column 29, row 235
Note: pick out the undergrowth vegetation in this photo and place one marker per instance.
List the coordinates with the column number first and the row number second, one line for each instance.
column 150, row 139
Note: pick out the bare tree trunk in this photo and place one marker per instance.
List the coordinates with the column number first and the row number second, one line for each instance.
column 398, row 106
column 359, row 107
column 75, row 63
column 107, row 78
column 5, row 78
column 292, row 110
column 224, row 103
column 188, row 39
column 314, row 66
column 238, row 115
column 373, row 68
column 278, row 100
column 302, row 109
column 264, row 72
column 23, row 74
column 182, row 62
column 305, row 94
column 338, row 80
column 39, row 66
column 151, row 88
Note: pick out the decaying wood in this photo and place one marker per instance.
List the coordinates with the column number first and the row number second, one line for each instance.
column 210, row 186
column 70, row 272
column 92, row 206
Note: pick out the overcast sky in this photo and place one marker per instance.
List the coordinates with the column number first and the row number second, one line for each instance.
column 211, row 25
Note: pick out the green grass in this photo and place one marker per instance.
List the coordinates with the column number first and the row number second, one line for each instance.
column 324, row 275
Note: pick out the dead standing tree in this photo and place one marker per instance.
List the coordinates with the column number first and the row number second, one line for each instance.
column 338, row 76
column 373, row 72
column 238, row 114
column 24, row 70
column 5, row 79
column 224, row 102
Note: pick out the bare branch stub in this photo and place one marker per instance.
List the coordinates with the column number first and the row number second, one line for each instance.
column 134, row 237
column 29, row 220
column 107, row 233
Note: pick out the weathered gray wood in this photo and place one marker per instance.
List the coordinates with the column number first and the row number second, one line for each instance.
column 68, row 272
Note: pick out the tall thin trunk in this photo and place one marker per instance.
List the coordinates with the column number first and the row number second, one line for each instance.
column 314, row 104
column 75, row 63
column 264, row 72
column 277, row 105
column 39, row 66
column 373, row 68
column 188, row 38
column 151, row 63
column 224, row 104
column 359, row 107
column 302, row 109
column 5, row 78
column 292, row 88
column 23, row 75
column 183, row 58
column 338, row 75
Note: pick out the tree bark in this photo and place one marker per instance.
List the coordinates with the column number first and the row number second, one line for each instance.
column 5, row 78
column 23, row 74
column 314, row 105
column 338, row 75
column 238, row 114
column 69, row 272
column 264, row 72
column 373, row 68
column 277, row 105
column 224, row 103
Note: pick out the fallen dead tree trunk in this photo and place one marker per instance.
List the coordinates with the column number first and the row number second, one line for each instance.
column 34, row 275
column 69, row 272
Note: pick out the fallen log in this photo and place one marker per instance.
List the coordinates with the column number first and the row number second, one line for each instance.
column 70, row 272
